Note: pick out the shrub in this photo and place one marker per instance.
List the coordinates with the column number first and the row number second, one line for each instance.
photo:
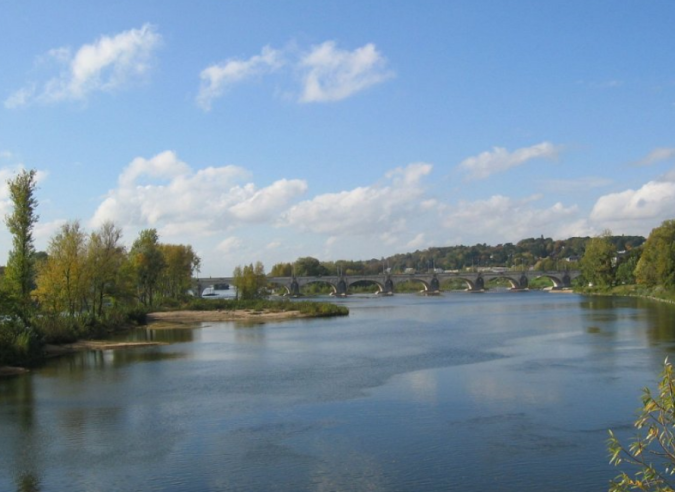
column 20, row 345
column 652, row 452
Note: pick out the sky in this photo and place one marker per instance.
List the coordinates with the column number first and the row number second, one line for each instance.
column 268, row 131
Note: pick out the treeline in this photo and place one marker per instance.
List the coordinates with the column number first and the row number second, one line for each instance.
column 537, row 253
column 85, row 284
column 650, row 266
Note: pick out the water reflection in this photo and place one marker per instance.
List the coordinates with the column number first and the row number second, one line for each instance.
column 20, row 453
column 27, row 482
column 407, row 393
column 254, row 334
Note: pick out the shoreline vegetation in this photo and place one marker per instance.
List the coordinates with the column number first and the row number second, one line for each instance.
column 195, row 311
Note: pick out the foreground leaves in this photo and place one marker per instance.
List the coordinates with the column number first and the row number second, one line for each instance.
column 652, row 451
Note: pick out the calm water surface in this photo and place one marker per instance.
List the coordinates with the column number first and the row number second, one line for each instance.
column 497, row 391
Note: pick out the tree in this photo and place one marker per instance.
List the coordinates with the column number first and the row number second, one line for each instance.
column 148, row 262
column 181, row 263
column 20, row 270
column 62, row 282
column 653, row 451
column 250, row 281
column 105, row 262
column 625, row 271
column 657, row 263
column 282, row 270
column 597, row 264
column 309, row 267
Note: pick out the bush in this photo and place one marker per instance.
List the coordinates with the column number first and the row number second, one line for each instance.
column 20, row 345
column 652, row 452
column 56, row 329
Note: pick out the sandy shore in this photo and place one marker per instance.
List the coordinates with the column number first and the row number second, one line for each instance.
column 183, row 317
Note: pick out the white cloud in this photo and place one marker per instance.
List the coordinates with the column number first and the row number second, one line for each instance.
column 105, row 65
column 165, row 192
column 657, row 155
column 500, row 159
column 636, row 210
column 327, row 73
column 216, row 79
column 366, row 210
column 332, row 74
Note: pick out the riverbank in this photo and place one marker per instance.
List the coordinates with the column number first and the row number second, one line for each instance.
column 249, row 315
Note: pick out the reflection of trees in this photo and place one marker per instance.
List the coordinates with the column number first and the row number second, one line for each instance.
column 171, row 335
column 249, row 333
column 18, row 440
column 27, row 482
column 18, row 394
column 660, row 316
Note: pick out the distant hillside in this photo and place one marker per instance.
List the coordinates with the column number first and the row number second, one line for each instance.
column 542, row 253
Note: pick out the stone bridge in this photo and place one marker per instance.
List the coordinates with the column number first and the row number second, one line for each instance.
column 430, row 282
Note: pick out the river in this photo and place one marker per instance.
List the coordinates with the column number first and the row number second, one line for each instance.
column 495, row 391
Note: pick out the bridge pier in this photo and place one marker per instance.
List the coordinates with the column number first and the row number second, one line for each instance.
column 294, row 288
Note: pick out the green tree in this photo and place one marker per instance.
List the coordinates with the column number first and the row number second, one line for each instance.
column 597, row 264
column 309, row 267
column 19, row 278
column 652, row 452
column 282, row 270
column 625, row 271
column 250, row 281
column 106, row 257
column 181, row 264
column 148, row 262
column 657, row 263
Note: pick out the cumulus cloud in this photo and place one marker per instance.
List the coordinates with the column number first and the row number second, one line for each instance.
column 218, row 78
column 661, row 154
column 639, row 209
column 165, row 192
column 366, row 210
column 105, row 65
column 332, row 74
column 499, row 159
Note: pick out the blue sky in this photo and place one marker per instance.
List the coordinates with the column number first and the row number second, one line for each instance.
column 261, row 130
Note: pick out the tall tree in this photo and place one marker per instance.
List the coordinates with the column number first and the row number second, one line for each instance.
column 63, row 279
column 148, row 263
column 597, row 264
column 181, row 263
column 20, row 271
column 105, row 260
column 250, row 281
column 657, row 263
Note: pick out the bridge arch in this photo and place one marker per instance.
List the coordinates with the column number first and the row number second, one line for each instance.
column 428, row 286
column 361, row 281
column 559, row 281
column 320, row 281
column 516, row 283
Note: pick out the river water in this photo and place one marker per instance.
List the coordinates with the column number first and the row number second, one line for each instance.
column 495, row 391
